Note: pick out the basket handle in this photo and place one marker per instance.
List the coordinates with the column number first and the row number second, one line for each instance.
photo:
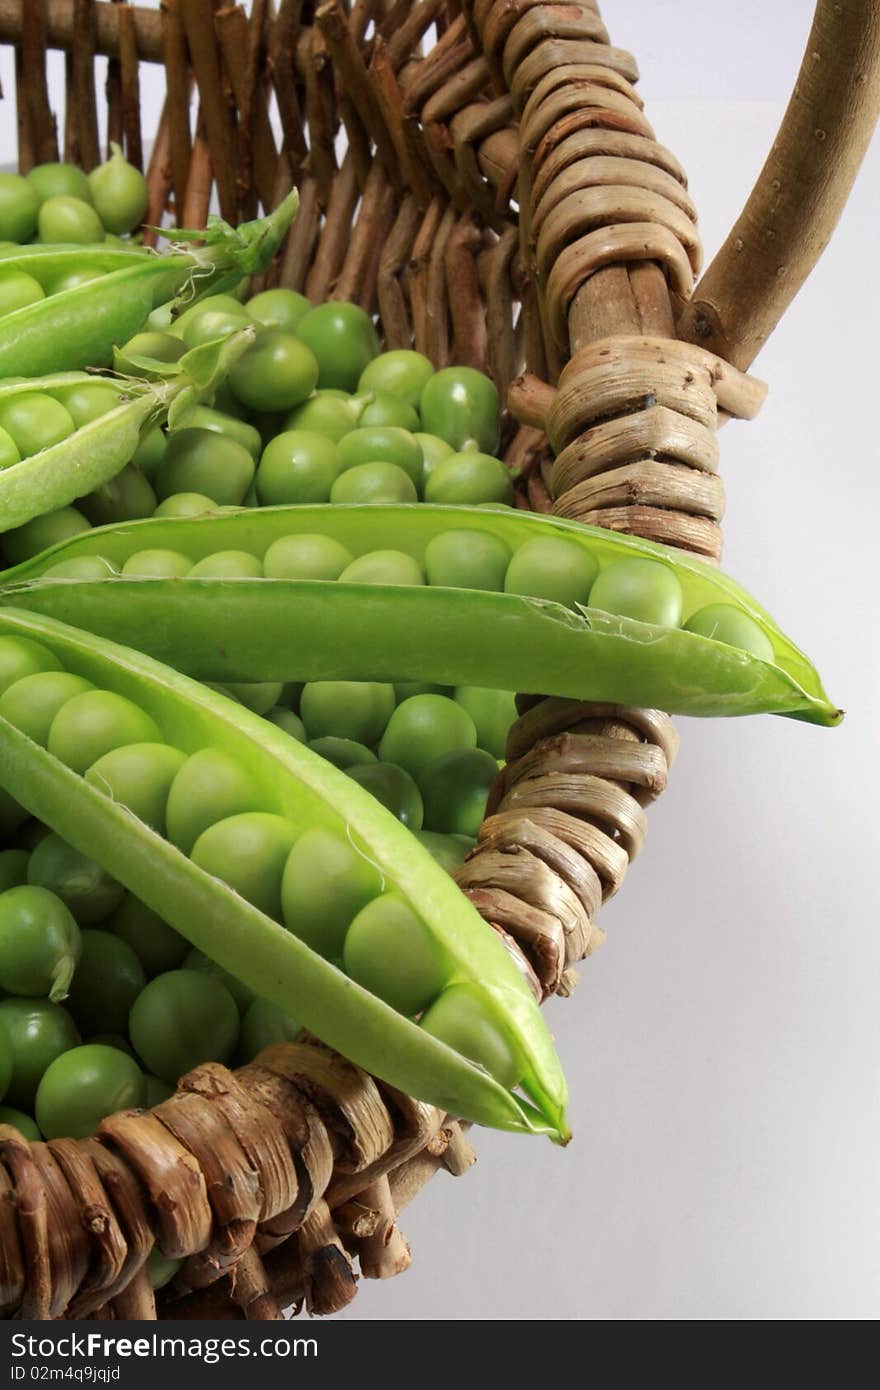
column 801, row 190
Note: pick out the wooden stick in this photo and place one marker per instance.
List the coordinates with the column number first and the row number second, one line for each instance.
column 60, row 23
column 800, row 193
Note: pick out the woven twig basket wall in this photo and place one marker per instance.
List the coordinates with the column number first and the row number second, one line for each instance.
column 500, row 200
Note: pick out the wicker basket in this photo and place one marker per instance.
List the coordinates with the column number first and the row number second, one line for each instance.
column 501, row 202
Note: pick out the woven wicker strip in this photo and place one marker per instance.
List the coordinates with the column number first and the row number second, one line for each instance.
column 501, row 201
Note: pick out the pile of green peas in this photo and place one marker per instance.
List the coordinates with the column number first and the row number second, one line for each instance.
column 103, row 1005
column 58, row 204
column 312, row 412
column 138, row 1007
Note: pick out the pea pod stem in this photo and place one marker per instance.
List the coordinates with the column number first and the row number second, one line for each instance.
column 241, row 939
column 268, row 629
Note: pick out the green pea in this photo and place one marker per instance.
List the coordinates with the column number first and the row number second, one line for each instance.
column 424, row 728
column 288, row 721
column 276, row 372
column 117, row 1040
column 469, row 479
column 401, row 372
column 394, row 788
column 460, row 405
column 204, row 418
column 259, row 696
column 81, row 567
column 149, row 345
column 552, row 568
column 263, row 1024
column 278, row 308
column 62, row 218
column 326, row 412
column 159, row 1268
column 383, row 567
column 20, row 657
column 157, row 564
column 119, row 192
column 305, row 557
column 79, row 1089
column 404, row 689
column 150, row 451
column 642, row 589
column 90, row 400
column 493, row 712
column 390, row 951
column 157, row 946
column 85, row 887
column 39, row 943
column 157, row 1091
column 241, row 993
column 460, row 1019
column 203, row 461
column 108, row 979
column 38, row 1031
column 228, row 564
column 181, row 1019
column 17, row 289
column 35, row 421
column 127, row 497
column 342, row 752
column 374, row 482
column 9, row 453
column 19, row 205
column 23, row 542
column 346, row 709
column 248, row 852
column 450, row 851
column 205, row 325
column 72, row 279
column 51, row 179
column 17, row 1119
column 297, row 466
column 467, row 560
column 211, row 303
column 211, row 786
column 724, row 623
column 94, row 723
column 32, row 703
column 13, row 868
column 434, row 451
column 382, row 408
column 343, row 339
column 454, row 789
column 139, row 776
column 383, row 444
column 186, row 504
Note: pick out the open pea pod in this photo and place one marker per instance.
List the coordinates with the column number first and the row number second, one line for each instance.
column 294, row 784
column 283, row 629
column 97, row 451
column 80, row 326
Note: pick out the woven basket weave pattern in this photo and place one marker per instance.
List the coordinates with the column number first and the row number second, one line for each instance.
column 501, row 202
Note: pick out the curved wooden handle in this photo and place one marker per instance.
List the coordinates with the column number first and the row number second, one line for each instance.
column 800, row 193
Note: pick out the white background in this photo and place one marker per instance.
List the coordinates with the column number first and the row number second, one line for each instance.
column 722, row 1049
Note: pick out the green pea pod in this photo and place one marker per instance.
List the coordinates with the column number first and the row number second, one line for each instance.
column 298, row 785
column 96, row 452
column 227, row 629
column 79, row 327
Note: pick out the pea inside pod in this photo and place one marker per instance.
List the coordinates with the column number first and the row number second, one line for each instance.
column 234, row 898
column 377, row 620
